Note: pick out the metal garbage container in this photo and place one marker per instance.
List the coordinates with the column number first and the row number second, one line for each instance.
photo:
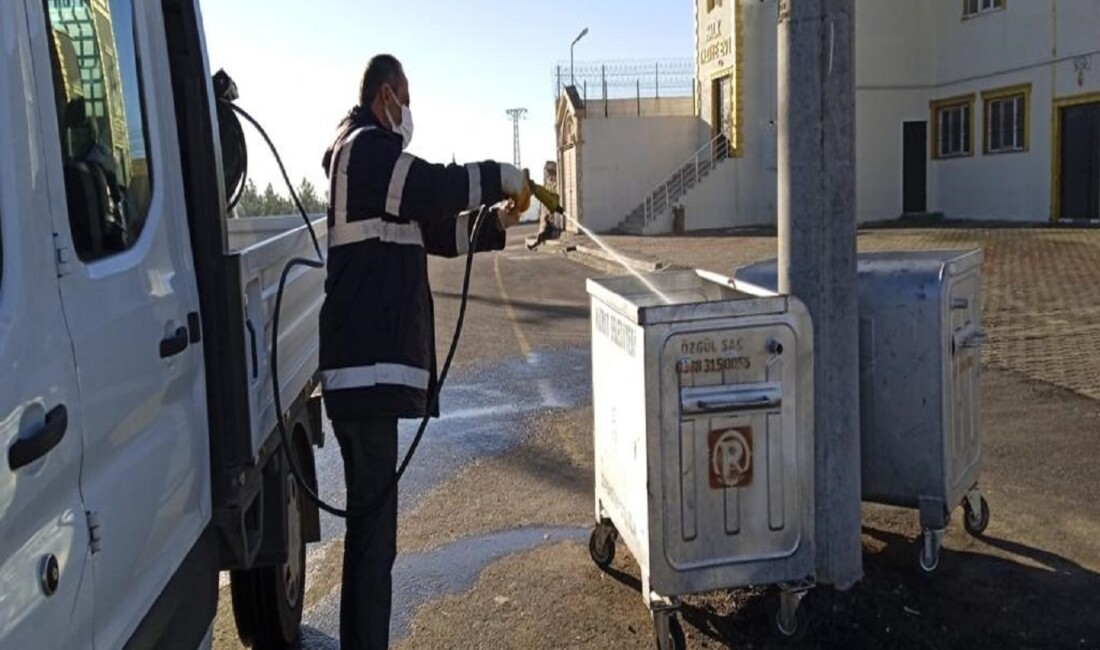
column 920, row 384
column 703, row 425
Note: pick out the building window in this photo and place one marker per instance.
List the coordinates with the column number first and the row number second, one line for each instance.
column 101, row 123
column 975, row 7
column 712, row 4
column 953, row 125
column 1006, row 119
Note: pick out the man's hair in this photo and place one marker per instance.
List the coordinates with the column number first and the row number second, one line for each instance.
column 382, row 70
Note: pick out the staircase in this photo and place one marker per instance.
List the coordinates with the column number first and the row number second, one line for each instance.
column 661, row 199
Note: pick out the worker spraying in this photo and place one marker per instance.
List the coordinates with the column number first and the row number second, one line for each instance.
column 388, row 211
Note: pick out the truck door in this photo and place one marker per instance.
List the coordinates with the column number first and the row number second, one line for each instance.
column 45, row 583
column 129, row 296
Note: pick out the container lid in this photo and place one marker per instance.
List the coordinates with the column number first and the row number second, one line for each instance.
column 764, row 275
column 680, row 296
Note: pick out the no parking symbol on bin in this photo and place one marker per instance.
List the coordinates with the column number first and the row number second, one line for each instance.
column 730, row 457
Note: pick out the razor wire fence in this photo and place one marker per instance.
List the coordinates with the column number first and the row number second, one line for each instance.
column 601, row 80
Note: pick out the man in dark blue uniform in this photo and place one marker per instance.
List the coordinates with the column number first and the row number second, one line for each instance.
column 389, row 210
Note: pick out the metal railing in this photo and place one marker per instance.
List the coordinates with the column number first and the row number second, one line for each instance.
column 687, row 175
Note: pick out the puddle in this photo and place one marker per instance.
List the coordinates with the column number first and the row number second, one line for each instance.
column 422, row 577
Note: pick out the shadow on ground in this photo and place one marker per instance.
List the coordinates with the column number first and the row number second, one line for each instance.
column 1035, row 599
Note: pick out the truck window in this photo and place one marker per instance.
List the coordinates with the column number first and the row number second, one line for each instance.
column 101, row 123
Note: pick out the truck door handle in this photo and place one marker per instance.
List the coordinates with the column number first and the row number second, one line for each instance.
column 174, row 344
column 27, row 450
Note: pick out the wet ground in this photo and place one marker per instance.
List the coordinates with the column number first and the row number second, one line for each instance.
column 500, row 383
column 485, row 411
column 497, row 505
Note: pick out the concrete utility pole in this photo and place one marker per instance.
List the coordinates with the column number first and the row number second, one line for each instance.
column 516, row 114
column 817, row 254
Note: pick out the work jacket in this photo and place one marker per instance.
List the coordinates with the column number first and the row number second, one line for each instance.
column 388, row 210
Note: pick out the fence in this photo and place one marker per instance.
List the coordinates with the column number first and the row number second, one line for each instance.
column 626, row 79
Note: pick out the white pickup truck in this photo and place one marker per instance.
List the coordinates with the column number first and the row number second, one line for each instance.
column 139, row 454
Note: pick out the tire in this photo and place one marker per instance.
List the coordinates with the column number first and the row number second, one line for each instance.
column 268, row 601
column 976, row 522
column 928, row 564
column 674, row 639
column 801, row 625
column 601, row 545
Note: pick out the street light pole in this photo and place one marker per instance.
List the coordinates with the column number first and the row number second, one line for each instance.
column 572, row 79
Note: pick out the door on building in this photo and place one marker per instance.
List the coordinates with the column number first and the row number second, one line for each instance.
column 1080, row 162
column 914, row 192
column 723, row 115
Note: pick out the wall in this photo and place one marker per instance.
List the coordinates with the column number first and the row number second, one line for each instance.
column 983, row 53
column 568, row 180
column 716, row 54
column 895, row 68
column 1077, row 36
column 645, row 107
column 907, row 55
column 624, row 158
column 879, row 149
column 742, row 190
column 934, row 53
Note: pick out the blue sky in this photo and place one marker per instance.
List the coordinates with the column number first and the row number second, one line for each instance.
column 297, row 65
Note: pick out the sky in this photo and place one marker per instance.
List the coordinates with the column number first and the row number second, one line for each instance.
column 297, row 64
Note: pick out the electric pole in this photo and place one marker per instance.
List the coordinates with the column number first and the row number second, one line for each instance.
column 516, row 114
column 817, row 255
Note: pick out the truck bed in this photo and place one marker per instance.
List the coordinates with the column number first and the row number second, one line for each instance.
column 260, row 247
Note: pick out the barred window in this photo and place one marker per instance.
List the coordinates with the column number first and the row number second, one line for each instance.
column 953, row 130
column 1006, row 123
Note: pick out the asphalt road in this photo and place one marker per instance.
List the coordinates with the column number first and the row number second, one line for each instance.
column 497, row 506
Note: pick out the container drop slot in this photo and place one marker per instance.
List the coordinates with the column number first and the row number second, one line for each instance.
column 730, row 399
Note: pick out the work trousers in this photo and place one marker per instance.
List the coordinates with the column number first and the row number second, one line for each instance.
column 369, row 448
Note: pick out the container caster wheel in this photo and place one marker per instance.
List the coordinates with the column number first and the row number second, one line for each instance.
column 601, row 545
column 929, row 552
column 668, row 631
column 792, row 620
column 976, row 518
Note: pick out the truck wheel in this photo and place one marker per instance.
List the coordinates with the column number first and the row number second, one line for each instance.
column 267, row 602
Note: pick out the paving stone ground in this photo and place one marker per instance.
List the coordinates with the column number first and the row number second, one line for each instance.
column 1040, row 299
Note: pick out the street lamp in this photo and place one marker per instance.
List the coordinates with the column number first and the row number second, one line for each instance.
column 572, row 79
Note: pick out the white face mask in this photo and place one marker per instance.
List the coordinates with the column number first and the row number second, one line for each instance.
column 405, row 129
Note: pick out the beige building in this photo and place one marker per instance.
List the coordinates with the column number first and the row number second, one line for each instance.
column 976, row 109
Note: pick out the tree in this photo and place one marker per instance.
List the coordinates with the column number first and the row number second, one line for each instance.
column 312, row 203
column 274, row 203
column 250, row 203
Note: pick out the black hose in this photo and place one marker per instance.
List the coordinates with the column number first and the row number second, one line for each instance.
column 319, row 263
column 234, row 154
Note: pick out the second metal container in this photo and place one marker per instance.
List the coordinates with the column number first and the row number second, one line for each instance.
column 920, row 383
